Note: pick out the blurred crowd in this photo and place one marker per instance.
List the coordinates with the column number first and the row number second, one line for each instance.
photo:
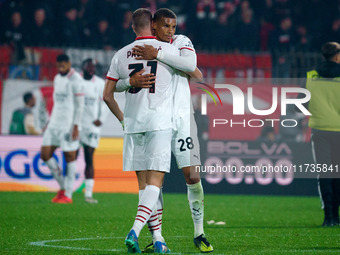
column 213, row 25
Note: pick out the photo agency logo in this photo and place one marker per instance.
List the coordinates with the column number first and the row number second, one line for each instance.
column 240, row 100
column 204, row 96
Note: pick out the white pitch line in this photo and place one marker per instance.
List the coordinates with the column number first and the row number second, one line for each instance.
column 45, row 244
column 302, row 251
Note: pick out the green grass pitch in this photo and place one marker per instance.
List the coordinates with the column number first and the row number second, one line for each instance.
column 31, row 224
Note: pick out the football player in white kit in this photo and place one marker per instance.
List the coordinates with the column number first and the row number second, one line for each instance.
column 185, row 144
column 148, row 125
column 63, row 127
column 95, row 112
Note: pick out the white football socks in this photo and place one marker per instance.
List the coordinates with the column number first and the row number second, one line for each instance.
column 154, row 227
column 153, row 224
column 56, row 171
column 195, row 198
column 70, row 178
column 146, row 205
column 160, row 208
column 89, row 183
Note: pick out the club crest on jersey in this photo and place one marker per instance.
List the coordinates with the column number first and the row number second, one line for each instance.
column 189, row 45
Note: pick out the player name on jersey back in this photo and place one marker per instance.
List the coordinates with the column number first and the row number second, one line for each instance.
column 147, row 109
column 132, row 55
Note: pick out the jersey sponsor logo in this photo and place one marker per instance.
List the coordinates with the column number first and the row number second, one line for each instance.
column 60, row 97
column 89, row 101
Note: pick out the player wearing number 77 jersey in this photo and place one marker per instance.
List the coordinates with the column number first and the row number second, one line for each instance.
column 148, row 125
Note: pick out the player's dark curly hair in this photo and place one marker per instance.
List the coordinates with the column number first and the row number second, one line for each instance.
column 86, row 61
column 164, row 13
column 63, row 58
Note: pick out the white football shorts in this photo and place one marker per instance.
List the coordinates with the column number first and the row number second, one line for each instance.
column 147, row 151
column 184, row 143
column 60, row 138
column 89, row 137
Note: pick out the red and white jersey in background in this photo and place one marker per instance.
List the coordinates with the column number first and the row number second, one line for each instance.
column 145, row 109
column 181, row 90
column 95, row 108
column 65, row 88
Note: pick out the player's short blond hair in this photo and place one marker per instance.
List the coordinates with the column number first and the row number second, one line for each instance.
column 141, row 19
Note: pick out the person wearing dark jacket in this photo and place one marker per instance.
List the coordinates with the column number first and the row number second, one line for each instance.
column 324, row 86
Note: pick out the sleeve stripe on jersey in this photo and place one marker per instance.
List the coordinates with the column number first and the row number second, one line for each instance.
column 110, row 78
column 186, row 48
column 79, row 94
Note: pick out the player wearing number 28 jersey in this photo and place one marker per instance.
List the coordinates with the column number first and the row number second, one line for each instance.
column 185, row 145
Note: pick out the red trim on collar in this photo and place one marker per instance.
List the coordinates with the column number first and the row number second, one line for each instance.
column 145, row 37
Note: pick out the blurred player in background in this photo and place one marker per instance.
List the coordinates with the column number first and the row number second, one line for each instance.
column 95, row 112
column 147, row 120
column 63, row 127
column 23, row 119
column 185, row 144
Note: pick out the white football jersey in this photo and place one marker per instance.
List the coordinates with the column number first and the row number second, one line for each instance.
column 181, row 90
column 145, row 109
column 95, row 108
column 65, row 88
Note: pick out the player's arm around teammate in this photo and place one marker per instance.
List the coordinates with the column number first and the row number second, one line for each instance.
column 147, row 135
column 185, row 131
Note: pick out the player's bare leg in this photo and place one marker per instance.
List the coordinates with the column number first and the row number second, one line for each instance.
column 89, row 174
column 46, row 154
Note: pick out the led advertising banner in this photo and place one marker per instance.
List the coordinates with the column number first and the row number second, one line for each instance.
column 23, row 170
